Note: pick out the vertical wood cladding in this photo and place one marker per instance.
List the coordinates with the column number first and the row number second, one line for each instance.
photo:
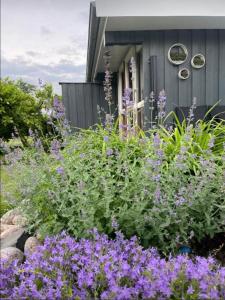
column 80, row 101
column 206, row 84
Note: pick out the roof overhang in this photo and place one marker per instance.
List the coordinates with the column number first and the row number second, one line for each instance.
column 140, row 15
column 133, row 15
column 165, row 23
column 162, row 15
column 152, row 8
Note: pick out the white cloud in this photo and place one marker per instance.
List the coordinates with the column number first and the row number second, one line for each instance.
column 45, row 31
column 45, row 39
column 64, row 71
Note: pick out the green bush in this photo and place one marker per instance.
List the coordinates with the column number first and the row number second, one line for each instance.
column 19, row 111
column 100, row 177
column 27, row 110
column 8, row 191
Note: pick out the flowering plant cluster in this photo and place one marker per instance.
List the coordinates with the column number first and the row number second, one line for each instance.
column 100, row 268
column 99, row 176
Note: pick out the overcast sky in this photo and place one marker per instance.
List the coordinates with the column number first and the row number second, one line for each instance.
column 44, row 39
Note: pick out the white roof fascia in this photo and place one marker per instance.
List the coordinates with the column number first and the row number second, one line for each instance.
column 164, row 23
column 122, row 8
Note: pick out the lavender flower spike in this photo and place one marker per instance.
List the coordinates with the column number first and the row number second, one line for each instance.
column 161, row 104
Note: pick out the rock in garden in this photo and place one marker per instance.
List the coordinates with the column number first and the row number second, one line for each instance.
column 31, row 245
column 10, row 254
column 19, row 220
column 8, row 217
column 4, row 227
column 10, row 236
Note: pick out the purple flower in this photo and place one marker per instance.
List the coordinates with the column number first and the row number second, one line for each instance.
column 38, row 144
column 58, row 108
column 40, row 82
column 115, row 225
column 161, row 104
column 109, row 152
column 127, row 97
column 157, row 195
column 64, row 267
column 180, row 201
column 191, row 116
column 108, row 86
column 106, row 139
column 190, row 290
column 211, row 142
column 157, row 177
column 55, row 148
column 60, row 170
column 156, row 140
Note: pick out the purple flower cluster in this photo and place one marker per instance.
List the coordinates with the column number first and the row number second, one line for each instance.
column 58, row 108
column 191, row 115
column 108, row 80
column 100, row 268
column 161, row 103
column 127, row 101
column 55, row 148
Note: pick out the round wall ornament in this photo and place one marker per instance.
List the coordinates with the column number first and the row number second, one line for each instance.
column 184, row 74
column 198, row 61
column 177, row 54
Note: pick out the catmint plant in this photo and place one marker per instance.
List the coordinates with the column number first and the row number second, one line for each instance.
column 191, row 115
column 108, row 81
column 151, row 108
column 132, row 67
column 161, row 104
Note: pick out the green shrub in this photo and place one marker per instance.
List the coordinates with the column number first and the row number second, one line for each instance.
column 18, row 112
column 100, row 177
column 8, row 191
column 26, row 110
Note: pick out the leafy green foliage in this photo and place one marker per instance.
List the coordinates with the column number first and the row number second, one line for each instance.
column 100, row 177
column 18, row 110
column 27, row 88
column 9, row 189
column 204, row 139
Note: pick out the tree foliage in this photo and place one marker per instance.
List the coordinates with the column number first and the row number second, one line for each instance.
column 19, row 110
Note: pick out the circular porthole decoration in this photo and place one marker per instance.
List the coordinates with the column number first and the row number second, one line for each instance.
column 184, row 74
column 177, row 54
column 198, row 61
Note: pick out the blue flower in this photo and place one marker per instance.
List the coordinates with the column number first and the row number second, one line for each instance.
column 60, row 170
column 106, row 138
column 109, row 152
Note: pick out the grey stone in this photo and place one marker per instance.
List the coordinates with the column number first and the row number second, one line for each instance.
column 9, row 237
column 10, row 254
column 31, row 245
column 4, row 227
column 7, row 218
column 19, row 220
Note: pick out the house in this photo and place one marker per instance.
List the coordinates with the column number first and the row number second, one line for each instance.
column 178, row 46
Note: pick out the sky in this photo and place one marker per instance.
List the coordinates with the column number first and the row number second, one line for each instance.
column 44, row 39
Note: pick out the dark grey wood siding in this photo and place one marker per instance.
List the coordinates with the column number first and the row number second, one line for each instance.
column 80, row 101
column 206, row 84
